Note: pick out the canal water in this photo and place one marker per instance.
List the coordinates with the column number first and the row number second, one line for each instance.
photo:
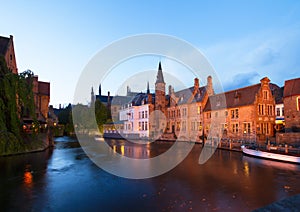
column 65, row 179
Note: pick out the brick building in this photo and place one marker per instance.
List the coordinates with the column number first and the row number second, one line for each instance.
column 247, row 113
column 185, row 111
column 41, row 90
column 7, row 50
column 291, row 100
column 41, row 95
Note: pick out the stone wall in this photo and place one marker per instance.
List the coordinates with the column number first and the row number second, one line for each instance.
column 288, row 138
column 291, row 113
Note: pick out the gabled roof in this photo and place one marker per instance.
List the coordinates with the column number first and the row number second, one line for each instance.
column 3, row 45
column 184, row 96
column 234, row 98
column 104, row 99
column 291, row 87
column 277, row 92
column 120, row 100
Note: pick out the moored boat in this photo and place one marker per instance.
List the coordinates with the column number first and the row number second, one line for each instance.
column 99, row 138
column 270, row 155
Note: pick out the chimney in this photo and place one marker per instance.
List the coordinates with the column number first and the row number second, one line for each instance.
column 170, row 90
column 209, row 86
column 196, row 85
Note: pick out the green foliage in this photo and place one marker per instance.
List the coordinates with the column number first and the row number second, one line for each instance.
column 102, row 114
column 15, row 94
column 25, row 94
column 65, row 118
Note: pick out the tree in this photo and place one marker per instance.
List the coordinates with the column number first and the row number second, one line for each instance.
column 102, row 114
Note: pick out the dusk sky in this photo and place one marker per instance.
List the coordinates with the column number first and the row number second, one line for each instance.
column 243, row 40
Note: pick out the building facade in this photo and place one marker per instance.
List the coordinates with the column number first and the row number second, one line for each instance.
column 41, row 90
column 291, row 100
column 247, row 113
column 8, row 52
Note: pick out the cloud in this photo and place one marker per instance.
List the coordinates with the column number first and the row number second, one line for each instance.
column 240, row 80
column 273, row 53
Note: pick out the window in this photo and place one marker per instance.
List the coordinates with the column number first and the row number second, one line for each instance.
column 265, row 129
column 178, row 126
column 235, row 128
column 282, row 111
column 265, row 95
column 146, row 125
column 146, row 114
column 277, row 111
column 178, row 113
column 270, row 110
column 184, row 112
column 261, row 109
column 140, row 126
column 298, row 103
column 184, row 126
column 143, row 114
column 199, row 110
column 208, row 115
column 247, row 128
column 216, row 114
column 234, row 113
column 226, row 113
column 139, row 115
column 199, row 125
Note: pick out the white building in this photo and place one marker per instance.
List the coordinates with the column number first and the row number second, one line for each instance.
column 136, row 117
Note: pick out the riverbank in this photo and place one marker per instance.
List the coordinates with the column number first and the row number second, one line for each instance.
column 28, row 144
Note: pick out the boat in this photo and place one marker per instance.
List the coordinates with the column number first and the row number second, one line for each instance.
column 99, row 138
column 270, row 155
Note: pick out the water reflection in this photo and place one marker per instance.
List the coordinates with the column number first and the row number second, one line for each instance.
column 27, row 179
column 65, row 179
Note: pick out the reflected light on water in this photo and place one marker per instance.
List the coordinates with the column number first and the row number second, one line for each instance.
column 246, row 168
column 122, row 150
column 27, row 179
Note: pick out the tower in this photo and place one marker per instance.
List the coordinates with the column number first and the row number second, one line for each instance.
column 92, row 97
column 160, row 93
column 209, row 86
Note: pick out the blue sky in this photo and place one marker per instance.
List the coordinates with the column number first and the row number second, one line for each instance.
column 243, row 40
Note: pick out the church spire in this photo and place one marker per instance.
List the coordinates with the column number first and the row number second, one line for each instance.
column 92, row 96
column 160, row 77
column 100, row 90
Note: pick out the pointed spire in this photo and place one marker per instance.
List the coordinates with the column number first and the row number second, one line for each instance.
column 160, row 77
column 92, row 96
column 148, row 89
